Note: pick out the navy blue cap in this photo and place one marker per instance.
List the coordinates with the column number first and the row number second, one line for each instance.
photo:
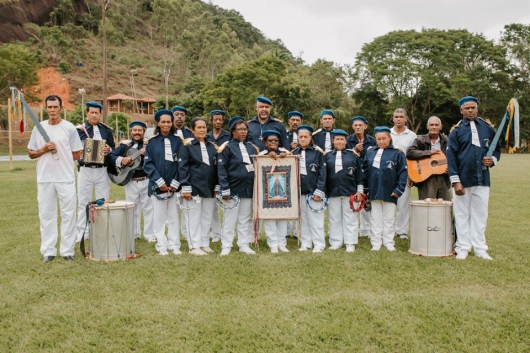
column 180, row 109
column 381, row 129
column 339, row 132
column 328, row 112
column 467, row 99
column 305, row 127
column 360, row 118
column 137, row 123
column 268, row 133
column 162, row 112
column 94, row 105
column 296, row 113
column 233, row 120
column 265, row 100
column 217, row 111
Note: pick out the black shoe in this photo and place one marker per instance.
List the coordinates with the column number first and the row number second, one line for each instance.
column 69, row 258
column 48, row 259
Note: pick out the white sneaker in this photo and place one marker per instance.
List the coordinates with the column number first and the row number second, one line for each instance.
column 350, row 248
column 175, row 251
column 334, row 247
column 225, row 251
column 376, row 248
column 197, row 252
column 390, row 248
column 247, row 250
column 151, row 240
column 484, row 256
column 206, row 249
column 283, row 248
column 216, row 239
column 304, row 249
column 462, row 255
column 274, row 250
column 364, row 235
column 403, row 236
column 317, row 250
column 162, row 252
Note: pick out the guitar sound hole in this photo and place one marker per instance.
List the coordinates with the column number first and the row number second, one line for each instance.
column 434, row 164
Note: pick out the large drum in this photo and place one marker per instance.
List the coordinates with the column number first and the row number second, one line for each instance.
column 112, row 231
column 431, row 228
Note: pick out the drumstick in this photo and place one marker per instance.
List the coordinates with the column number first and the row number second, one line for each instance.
column 110, row 201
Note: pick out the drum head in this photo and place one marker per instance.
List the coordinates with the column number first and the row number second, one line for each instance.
column 116, row 205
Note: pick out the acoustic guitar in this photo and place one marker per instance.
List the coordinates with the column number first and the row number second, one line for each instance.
column 420, row 169
column 124, row 174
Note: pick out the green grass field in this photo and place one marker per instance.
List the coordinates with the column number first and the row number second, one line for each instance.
column 297, row 302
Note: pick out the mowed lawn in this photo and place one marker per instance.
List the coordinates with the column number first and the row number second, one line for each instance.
column 297, row 302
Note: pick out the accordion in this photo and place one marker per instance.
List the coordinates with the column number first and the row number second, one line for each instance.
column 93, row 152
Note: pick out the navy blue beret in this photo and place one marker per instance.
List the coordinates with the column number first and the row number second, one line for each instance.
column 265, row 100
column 161, row 112
column 180, row 109
column 381, row 129
column 360, row 118
column 94, row 105
column 305, row 127
column 295, row 113
column 233, row 120
column 467, row 99
column 339, row 132
column 328, row 112
column 137, row 123
column 268, row 133
column 217, row 111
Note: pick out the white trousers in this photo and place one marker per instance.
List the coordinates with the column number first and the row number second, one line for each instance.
column 343, row 224
column 166, row 211
column 137, row 192
column 471, row 216
column 87, row 178
column 216, row 224
column 292, row 226
column 382, row 223
column 184, row 223
column 403, row 212
column 199, row 221
column 240, row 215
column 47, row 195
column 275, row 231
column 312, row 227
column 364, row 228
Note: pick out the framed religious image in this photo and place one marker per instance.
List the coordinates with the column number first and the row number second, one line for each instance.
column 276, row 191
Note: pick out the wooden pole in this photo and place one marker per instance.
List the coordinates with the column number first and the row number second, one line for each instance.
column 104, row 33
column 10, row 138
column 41, row 114
column 64, row 114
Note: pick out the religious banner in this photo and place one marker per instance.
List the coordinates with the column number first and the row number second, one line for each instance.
column 276, row 189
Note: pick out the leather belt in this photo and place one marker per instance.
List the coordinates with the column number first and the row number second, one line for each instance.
column 93, row 166
column 139, row 179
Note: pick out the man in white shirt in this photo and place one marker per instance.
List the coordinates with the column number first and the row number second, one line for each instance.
column 56, row 180
column 402, row 138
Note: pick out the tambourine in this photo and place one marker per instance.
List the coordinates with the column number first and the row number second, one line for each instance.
column 180, row 198
column 222, row 203
column 362, row 203
column 324, row 203
column 161, row 198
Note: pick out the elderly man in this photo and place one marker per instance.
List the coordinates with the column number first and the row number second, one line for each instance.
column 295, row 120
column 217, row 136
column 136, row 190
column 322, row 137
column 264, row 121
column 56, row 179
column 179, row 114
column 432, row 144
column 402, row 138
column 360, row 141
column 469, row 173
column 92, row 176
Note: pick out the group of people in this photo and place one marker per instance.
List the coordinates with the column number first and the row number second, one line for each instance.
column 191, row 168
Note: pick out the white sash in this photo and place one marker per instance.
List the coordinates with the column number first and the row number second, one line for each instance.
column 474, row 134
column 377, row 159
column 97, row 133
column 303, row 170
column 338, row 162
column 295, row 137
column 204, row 152
column 327, row 145
column 168, row 155
column 244, row 153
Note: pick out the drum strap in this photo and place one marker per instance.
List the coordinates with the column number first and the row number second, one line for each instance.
column 361, row 204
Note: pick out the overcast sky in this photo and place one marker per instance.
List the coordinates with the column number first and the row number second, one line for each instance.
column 337, row 29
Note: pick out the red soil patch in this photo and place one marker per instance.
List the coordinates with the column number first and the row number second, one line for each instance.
column 52, row 82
